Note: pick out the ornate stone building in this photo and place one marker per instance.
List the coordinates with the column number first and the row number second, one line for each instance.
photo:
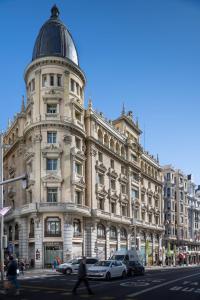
column 92, row 188
column 181, row 210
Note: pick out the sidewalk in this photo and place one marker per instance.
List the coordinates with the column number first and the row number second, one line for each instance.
column 150, row 268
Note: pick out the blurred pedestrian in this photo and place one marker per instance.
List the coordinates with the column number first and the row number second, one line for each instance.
column 12, row 274
column 82, row 277
column 22, row 266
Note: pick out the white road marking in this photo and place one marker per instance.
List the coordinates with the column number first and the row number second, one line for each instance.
column 160, row 285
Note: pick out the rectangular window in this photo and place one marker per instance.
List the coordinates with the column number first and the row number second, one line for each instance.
column 51, row 108
column 134, row 194
column 44, row 80
column 78, row 168
column 112, row 207
column 52, row 164
column 52, row 194
column 33, row 85
column 51, row 137
column 142, row 198
column 100, row 179
column 100, row 156
column 124, row 210
column 133, row 158
column 59, row 80
column 78, row 115
column 78, row 197
column 78, row 142
column 123, row 188
column 101, row 204
column 72, row 85
column 51, row 80
column 77, row 88
column 112, row 163
column 112, row 183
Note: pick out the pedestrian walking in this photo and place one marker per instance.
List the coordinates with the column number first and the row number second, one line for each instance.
column 22, row 266
column 82, row 277
column 12, row 274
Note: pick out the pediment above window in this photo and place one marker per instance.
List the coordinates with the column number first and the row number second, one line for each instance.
column 52, row 178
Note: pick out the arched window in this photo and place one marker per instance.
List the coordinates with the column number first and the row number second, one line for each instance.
column 101, row 232
column 123, row 234
column 52, row 227
column 16, row 231
column 113, row 233
column 10, row 233
column 112, row 145
column 100, row 136
column 106, row 140
column 77, row 227
column 32, row 229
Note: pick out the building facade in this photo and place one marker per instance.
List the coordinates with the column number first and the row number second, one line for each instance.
column 181, row 217
column 92, row 187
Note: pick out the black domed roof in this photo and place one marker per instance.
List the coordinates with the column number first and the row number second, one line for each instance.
column 55, row 40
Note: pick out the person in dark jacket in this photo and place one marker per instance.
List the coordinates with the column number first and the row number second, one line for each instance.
column 12, row 273
column 82, row 277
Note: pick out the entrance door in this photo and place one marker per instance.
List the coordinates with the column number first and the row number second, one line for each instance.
column 50, row 253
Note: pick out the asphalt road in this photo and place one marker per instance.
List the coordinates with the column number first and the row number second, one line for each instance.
column 173, row 284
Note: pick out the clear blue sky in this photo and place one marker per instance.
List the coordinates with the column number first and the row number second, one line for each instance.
column 145, row 53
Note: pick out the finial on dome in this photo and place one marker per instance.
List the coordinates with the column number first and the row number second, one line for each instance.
column 55, row 12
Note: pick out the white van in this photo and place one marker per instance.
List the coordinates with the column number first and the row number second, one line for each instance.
column 126, row 255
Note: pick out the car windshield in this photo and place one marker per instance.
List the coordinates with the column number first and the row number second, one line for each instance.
column 104, row 263
column 73, row 261
column 118, row 257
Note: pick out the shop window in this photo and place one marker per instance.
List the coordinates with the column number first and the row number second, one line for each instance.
column 52, row 227
column 77, row 227
column 52, row 194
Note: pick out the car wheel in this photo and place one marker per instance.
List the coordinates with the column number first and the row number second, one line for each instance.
column 68, row 271
column 108, row 276
column 123, row 274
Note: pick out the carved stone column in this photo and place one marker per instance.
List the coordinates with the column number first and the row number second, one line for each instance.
column 23, row 238
column 67, row 237
column 39, row 255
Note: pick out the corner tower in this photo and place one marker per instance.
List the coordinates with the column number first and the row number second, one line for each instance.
column 52, row 135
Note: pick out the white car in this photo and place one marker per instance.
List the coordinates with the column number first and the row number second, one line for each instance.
column 72, row 265
column 107, row 269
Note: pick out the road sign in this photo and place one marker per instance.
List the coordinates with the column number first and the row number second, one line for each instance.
column 4, row 210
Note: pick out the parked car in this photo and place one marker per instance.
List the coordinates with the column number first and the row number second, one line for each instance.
column 135, row 268
column 72, row 265
column 107, row 269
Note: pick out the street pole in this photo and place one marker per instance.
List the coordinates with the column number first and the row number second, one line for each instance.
column 1, row 206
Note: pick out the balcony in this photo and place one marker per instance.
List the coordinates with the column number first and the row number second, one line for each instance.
column 52, row 234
